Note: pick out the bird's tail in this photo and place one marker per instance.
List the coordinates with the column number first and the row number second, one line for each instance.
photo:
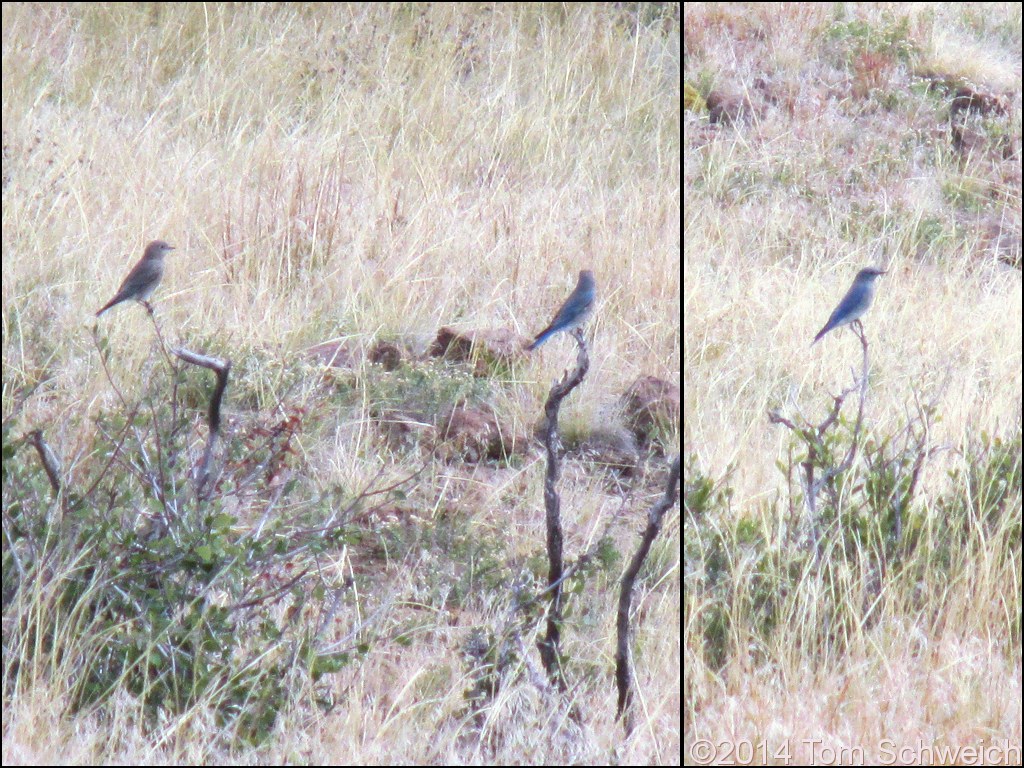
column 106, row 306
column 540, row 338
column 822, row 332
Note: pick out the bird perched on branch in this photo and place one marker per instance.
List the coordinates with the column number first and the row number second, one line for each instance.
column 855, row 303
column 574, row 312
column 144, row 277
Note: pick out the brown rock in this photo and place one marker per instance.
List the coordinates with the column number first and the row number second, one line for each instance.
column 474, row 434
column 970, row 98
column 727, row 108
column 497, row 343
column 335, row 354
column 613, row 448
column 386, row 354
column 341, row 354
column 650, row 404
column 403, row 430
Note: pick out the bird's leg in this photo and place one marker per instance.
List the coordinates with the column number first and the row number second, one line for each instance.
column 858, row 328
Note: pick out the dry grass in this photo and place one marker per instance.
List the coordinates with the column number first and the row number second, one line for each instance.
column 843, row 159
column 351, row 172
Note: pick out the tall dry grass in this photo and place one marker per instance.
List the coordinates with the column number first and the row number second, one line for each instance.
column 349, row 172
column 840, row 154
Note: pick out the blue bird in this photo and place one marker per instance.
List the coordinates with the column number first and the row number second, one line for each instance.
column 574, row 312
column 855, row 303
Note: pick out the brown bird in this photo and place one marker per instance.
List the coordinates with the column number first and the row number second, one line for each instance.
column 144, row 277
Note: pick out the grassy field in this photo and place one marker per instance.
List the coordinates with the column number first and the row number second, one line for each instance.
column 348, row 174
column 820, row 139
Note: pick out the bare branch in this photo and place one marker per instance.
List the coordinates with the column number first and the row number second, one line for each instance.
column 548, row 647
column 623, row 674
